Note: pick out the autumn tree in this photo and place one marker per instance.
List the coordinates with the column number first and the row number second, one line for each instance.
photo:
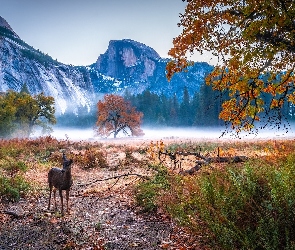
column 7, row 114
column 254, row 42
column 20, row 113
column 116, row 115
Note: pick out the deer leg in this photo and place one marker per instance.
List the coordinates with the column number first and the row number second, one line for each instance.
column 50, row 189
column 67, row 197
column 61, row 200
column 54, row 196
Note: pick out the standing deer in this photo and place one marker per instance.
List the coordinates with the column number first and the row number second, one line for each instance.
column 60, row 179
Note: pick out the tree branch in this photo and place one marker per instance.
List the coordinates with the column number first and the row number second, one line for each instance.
column 114, row 177
column 204, row 160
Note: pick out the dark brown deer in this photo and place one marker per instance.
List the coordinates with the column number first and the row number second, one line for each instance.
column 60, row 179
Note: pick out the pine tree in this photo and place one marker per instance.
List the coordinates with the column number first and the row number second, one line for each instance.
column 185, row 109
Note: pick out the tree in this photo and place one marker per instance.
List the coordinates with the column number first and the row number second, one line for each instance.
column 7, row 114
column 208, row 107
column 254, row 41
column 44, row 114
column 174, row 111
column 185, row 109
column 25, row 89
column 20, row 113
column 116, row 115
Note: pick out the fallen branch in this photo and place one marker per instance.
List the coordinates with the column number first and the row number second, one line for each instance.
column 191, row 171
column 234, row 159
column 114, row 177
column 12, row 213
column 199, row 163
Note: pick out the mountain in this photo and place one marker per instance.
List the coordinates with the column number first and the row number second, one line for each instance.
column 126, row 65
column 133, row 66
column 21, row 64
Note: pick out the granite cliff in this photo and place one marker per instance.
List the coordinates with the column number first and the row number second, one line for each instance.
column 126, row 65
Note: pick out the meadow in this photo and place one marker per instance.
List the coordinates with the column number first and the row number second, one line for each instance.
column 122, row 186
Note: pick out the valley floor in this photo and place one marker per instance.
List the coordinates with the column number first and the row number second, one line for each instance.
column 103, row 214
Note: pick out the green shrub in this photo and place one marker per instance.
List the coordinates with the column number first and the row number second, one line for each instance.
column 146, row 193
column 12, row 166
column 248, row 207
column 12, row 183
column 13, row 188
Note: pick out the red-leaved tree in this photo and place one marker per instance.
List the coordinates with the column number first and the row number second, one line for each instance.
column 116, row 115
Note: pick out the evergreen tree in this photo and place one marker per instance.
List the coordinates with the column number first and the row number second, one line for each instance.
column 209, row 107
column 164, row 117
column 195, row 106
column 174, row 111
column 25, row 89
column 185, row 109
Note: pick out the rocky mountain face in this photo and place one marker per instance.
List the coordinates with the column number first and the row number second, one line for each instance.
column 133, row 66
column 22, row 64
column 126, row 65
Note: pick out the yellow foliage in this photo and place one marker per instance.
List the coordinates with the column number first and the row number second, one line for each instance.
column 250, row 38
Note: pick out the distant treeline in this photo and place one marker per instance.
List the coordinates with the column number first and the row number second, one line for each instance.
column 182, row 110
column 201, row 109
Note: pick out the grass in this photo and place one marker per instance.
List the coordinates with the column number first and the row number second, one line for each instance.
column 148, row 191
column 245, row 206
column 18, row 156
column 239, row 207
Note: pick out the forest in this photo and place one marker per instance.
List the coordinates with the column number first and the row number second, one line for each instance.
column 182, row 110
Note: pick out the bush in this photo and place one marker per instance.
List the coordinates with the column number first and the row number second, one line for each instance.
column 252, row 207
column 13, row 187
column 91, row 158
column 12, row 183
column 12, row 166
column 146, row 193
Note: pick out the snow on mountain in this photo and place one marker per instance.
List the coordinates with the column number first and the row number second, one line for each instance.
column 126, row 65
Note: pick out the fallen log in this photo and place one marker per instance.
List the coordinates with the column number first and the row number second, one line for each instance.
column 235, row 159
column 14, row 214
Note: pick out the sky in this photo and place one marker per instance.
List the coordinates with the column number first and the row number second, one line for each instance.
column 76, row 32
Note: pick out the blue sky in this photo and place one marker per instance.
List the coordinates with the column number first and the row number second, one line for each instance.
column 77, row 32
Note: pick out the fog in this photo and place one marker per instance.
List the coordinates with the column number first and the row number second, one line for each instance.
column 174, row 133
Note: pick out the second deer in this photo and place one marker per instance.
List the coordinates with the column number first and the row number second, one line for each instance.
column 60, row 179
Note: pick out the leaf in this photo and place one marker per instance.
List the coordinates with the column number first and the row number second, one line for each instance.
column 254, row 42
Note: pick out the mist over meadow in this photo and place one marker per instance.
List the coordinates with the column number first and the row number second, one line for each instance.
column 213, row 133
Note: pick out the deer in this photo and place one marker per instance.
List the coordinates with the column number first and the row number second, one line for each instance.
column 60, row 179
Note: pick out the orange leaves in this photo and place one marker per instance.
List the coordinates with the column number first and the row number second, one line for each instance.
column 270, row 89
column 276, row 103
column 116, row 115
column 254, row 42
column 241, row 113
column 291, row 97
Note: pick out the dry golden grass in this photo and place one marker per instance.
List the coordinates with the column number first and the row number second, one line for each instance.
column 100, row 159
